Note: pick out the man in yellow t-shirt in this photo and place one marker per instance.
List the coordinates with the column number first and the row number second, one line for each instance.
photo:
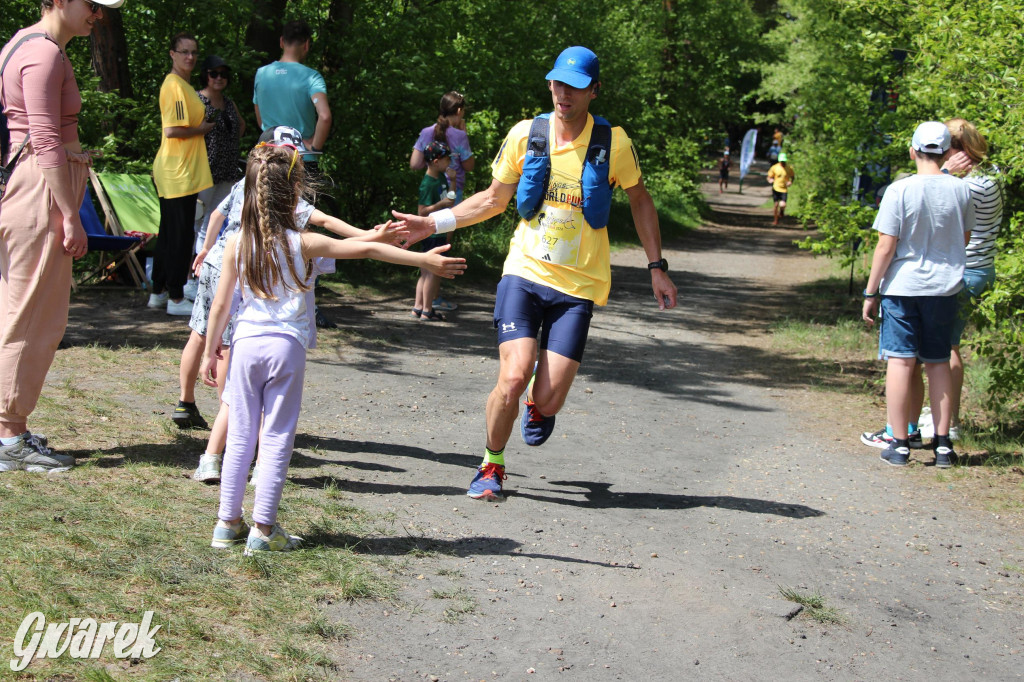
column 780, row 176
column 557, row 267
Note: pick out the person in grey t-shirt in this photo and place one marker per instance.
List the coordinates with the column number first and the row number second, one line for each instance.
column 924, row 222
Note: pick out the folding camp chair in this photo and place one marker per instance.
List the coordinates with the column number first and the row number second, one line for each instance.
column 122, row 247
column 131, row 208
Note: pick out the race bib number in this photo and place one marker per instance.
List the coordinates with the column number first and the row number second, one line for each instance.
column 554, row 235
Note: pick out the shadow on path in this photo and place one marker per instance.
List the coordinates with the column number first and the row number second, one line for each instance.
column 600, row 496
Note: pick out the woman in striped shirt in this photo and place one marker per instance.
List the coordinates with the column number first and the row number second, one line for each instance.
column 971, row 163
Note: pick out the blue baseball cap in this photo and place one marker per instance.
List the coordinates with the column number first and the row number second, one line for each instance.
column 576, row 66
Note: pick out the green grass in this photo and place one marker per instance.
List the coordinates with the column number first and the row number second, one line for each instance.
column 814, row 605
column 128, row 531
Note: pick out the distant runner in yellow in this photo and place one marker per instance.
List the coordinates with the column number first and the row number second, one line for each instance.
column 781, row 177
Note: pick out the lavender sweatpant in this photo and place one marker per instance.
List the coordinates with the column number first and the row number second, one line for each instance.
column 264, row 380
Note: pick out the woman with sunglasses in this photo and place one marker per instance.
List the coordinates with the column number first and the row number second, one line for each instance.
column 181, row 170
column 40, row 231
column 223, row 143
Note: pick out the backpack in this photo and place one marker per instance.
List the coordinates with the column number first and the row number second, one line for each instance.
column 5, row 134
column 597, row 192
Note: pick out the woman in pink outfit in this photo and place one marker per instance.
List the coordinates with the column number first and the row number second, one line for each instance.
column 40, row 231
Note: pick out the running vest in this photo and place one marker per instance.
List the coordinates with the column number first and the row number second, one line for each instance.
column 597, row 192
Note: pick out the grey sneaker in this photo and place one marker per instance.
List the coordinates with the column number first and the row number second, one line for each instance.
column 225, row 535
column 896, row 456
column 208, row 470
column 30, row 454
column 278, row 541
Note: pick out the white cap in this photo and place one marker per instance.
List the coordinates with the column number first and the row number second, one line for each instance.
column 931, row 137
column 113, row 4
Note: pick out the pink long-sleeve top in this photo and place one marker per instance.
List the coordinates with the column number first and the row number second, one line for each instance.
column 41, row 98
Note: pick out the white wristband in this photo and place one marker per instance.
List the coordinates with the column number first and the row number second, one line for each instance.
column 444, row 220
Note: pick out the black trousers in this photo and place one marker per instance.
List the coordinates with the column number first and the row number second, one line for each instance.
column 174, row 245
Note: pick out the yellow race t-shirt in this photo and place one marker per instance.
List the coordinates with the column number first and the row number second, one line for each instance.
column 781, row 177
column 558, row 248
column 181, row 167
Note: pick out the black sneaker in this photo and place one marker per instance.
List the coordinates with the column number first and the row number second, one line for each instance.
column 186, row 416
column 896, row 456
column 881, row 439
column 944, row 457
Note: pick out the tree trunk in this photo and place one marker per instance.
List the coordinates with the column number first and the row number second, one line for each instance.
column 110, row 54
column 264, row 32
column 338, row 25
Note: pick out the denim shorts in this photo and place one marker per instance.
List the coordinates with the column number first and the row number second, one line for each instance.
column 976, row 282
column 524, row 308
column 917, row 327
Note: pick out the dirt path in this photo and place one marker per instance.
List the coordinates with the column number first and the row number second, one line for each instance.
column 649, row 537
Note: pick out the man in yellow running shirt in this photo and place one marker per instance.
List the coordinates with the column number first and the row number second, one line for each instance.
column 781, row 177
column 558, row 263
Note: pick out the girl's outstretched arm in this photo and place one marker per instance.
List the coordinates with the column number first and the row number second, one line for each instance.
column 220, row 314
column 391, row 232
column 317, row 245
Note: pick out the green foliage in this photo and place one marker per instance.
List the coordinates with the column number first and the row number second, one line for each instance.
column 962, row 59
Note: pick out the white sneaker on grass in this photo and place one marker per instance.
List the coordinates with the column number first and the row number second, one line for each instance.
column 278, row 541
column 208, row 470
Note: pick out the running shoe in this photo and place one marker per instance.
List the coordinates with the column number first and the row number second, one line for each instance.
column 225, row 535
column 954, row 433
column 208, row 470
column 535, row 427
column 186, row 416
column 278, row 541
column 29, row 454
column 896, row 456
column 882, row 439
column 486, row 484
column 324, row 322
column 255, row 478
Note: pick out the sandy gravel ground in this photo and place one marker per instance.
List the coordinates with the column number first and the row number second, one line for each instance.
column 649, row 537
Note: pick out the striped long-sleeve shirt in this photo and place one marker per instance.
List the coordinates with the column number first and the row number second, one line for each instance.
column 987, row 194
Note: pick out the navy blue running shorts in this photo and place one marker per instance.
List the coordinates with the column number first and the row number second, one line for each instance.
column 524, row 308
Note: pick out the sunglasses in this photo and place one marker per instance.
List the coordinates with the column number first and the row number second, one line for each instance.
column 225, row 74
column 95, row 7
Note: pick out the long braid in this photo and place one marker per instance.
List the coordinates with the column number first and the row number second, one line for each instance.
column 268, row 212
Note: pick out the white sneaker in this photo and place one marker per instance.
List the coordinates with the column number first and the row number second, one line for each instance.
column 925, row 424
column 954, row 433
column 255, row 476
column 208, row 470
column 181, row 308
column 191, row 289
column 157, row 300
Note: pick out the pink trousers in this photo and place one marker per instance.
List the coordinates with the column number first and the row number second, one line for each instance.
column 35, row 284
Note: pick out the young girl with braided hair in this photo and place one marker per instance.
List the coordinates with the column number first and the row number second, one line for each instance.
column 270, row 260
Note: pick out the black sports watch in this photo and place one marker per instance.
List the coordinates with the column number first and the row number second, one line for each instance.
column 658, row 265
